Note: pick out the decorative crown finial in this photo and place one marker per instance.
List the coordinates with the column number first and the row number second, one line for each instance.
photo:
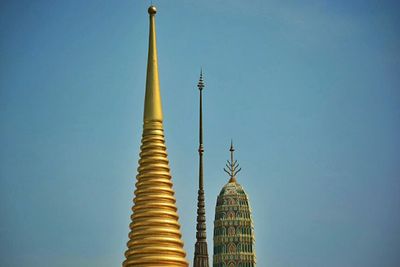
column 152, row 10
column 232, row 167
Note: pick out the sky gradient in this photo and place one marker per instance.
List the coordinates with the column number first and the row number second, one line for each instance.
column 309, row 91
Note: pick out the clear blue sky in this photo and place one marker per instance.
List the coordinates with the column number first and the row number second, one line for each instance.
column 308, row 90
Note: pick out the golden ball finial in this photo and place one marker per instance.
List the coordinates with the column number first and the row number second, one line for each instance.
column 152, row 10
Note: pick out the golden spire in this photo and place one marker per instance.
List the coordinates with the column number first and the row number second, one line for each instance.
column 155, row 237
column 152, row 102
column 232, row 166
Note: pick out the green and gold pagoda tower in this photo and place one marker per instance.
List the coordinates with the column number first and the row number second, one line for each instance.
column 234, row 240
column 155, row 236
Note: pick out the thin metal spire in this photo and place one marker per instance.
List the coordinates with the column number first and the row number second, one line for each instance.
column 232, row 167
column 200, row 252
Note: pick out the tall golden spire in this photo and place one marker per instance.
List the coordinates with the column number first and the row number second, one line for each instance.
column 155, row 237
column 200, row 249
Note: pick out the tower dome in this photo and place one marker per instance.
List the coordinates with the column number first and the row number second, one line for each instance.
column 234, row 242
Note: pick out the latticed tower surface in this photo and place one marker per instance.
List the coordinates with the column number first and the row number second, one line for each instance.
column 155, row 237
column 234, row 240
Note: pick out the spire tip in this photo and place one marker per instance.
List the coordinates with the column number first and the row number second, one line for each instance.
column 152, row 10
column 232, row 168
column 200, row 85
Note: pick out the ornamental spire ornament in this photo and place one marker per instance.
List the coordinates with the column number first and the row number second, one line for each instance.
column 232, row 167
column 200, row 251
column 155, row 237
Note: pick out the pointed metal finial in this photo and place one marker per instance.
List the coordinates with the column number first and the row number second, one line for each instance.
column 200, row 85
column 232, row 167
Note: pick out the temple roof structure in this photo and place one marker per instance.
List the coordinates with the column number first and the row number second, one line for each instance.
column 234, row 240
